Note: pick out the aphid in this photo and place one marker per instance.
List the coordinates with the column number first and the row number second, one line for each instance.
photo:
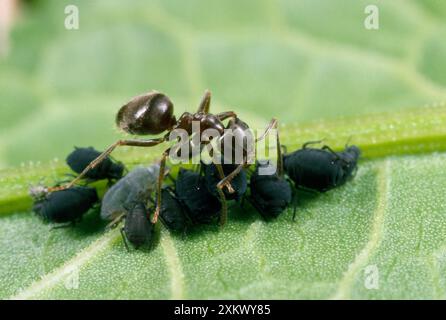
column 152, row 114
column 66, row 205
column 321, row 169
column 239, row 183
column 138, row 229
column 190, row 189
column 270, row 194
column 136, row 186
column 80, row 158
column 173, row 212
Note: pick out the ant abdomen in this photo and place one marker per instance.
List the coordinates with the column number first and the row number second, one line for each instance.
column 147, row 114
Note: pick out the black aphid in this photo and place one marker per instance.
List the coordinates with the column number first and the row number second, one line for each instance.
column 109, row 169
column 173, row 212
column 67, row 205
column 321, row 169
column 190, row 188
column 270, row 194
column 138, row 229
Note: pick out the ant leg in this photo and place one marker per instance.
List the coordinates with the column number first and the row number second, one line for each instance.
column 124, row 239
column 222, row 177
column 306, row 144
column 158, row 187
column 271, row 125
column 279, row 155
column 226, row 115
column 205, row 102
column 105, row 154
column 226, row 181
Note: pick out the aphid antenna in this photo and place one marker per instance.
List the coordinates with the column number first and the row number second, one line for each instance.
column 115, row 222
column 284, row 148
column 326, row 147
column 308, row 143
column 294, row 201
column 349, row 139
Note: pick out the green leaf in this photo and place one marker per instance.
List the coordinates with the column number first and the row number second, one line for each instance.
column 299, row 61
column 374, row 220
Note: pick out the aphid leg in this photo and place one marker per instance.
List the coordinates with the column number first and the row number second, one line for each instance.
column 159, row 185
column 294, row 201
column 242, row 202
column 294, row 210
column 224, row 207
column 355, row 171
column 124, row 239
column 171, row 178
column 306, row 144
column 205, row 102
column 63, row 225
column 105, row 154
column 257, row 208
column 308, row 190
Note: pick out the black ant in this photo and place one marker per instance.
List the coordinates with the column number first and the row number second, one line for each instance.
column 152, row 113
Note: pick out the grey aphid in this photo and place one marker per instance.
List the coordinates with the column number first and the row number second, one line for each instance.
column 135, row 187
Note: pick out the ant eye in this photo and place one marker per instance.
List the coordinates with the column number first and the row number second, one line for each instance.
column 150, row 113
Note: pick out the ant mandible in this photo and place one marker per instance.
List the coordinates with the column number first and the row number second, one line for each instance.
column 152, row 114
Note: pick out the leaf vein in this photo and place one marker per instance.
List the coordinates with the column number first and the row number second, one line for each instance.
column 174, row 265
column 59, row 274
column 383, row 187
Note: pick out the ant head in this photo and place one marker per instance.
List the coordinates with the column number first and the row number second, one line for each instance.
column 150, row 113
